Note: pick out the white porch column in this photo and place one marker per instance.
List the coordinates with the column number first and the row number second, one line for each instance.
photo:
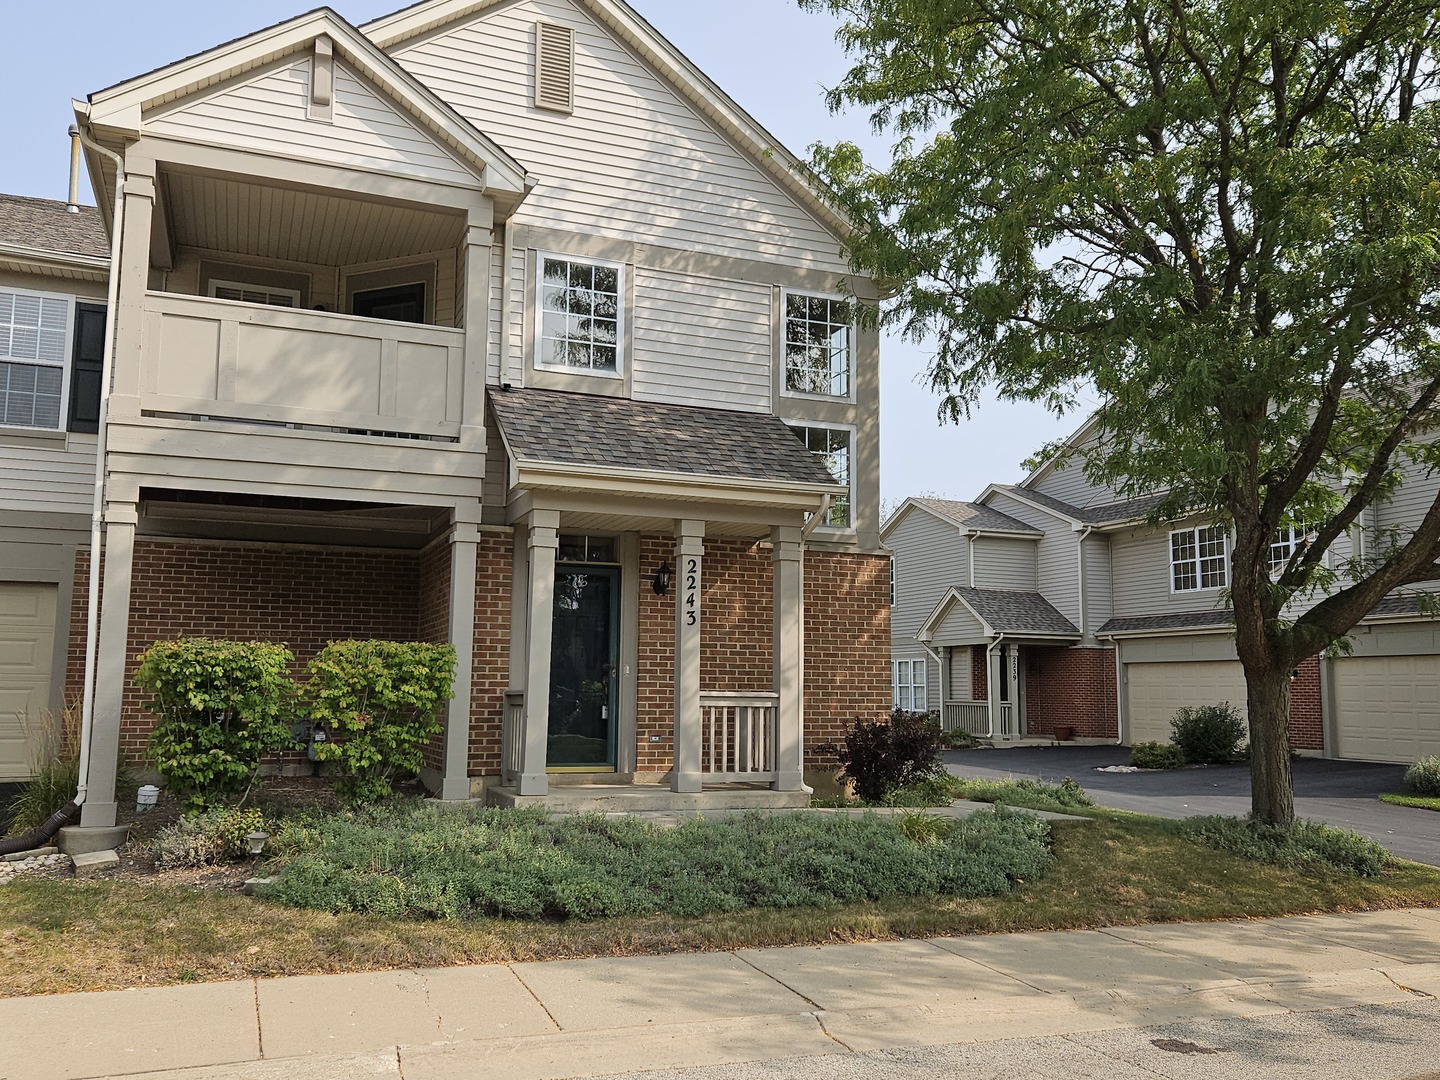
column 464, row 547
column 544, row 541
column 113, row 648
column 789, row 649
column 689, row 554
column 993, row 660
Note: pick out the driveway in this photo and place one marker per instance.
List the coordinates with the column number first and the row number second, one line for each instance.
column 1340, row 793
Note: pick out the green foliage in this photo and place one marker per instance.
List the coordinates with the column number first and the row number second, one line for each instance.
column 417, row 861
column 222, row 706
column 881, row 755
column 938, row 789
column 1423, row 777
column 1301, row 843
column 209, row 838
column 1156, row 755
column 1208, row 734
column 380, row 702
column 1222, row 218
column 1061, row 798
column 54, row 748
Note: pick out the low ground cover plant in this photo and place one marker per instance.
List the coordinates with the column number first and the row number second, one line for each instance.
column 1305, row 843
column 210, row 838
column 1156, row 755
column 1417, row 802
column 1208, row 734
column 1423, row 777
column 880, row 756
column 416, row 861
column 1062, row 798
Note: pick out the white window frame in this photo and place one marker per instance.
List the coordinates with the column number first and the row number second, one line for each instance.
column 849, row 430
column 274, row 290
column 1196, row 562
column 65, row 364
column 784, row 336
column 622, row 316
column 905, row 686
column 1286, row 539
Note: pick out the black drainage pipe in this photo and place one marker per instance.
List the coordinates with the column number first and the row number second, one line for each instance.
column 38, row 838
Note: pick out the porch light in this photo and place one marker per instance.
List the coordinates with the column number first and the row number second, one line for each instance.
column 661, row 584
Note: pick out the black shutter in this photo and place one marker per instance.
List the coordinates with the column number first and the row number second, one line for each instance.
column 87, row 367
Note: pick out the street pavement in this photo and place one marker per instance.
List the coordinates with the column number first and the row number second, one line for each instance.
column 1312, row 996
column 1341, row 793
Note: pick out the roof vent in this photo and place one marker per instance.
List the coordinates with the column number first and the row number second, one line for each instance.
column 554, row 67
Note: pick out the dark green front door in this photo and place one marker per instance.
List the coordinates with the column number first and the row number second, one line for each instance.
column 584, row 657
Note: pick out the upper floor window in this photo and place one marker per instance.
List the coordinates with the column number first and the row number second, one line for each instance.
column 832, row 445
column 818, row 345
column 581, row 313
column 1286, row 541
column 910, row 690
column 255, row 294
column 1199, row 558
column 34, row 341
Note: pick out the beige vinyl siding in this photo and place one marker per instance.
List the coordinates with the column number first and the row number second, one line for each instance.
column 634, row 161
column 916, row 651
column 959, row 624
column 1417, row 494
column 269, row 114
column 49, row 476
column 1099, row 601
column 701, row 341
column 1069, row 484
column 930, row 558
column 493, row 374
column 1141, row 577
column 1004, row 564
column 1056, row 555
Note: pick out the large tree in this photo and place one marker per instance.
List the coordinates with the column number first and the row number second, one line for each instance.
column 1223, row 215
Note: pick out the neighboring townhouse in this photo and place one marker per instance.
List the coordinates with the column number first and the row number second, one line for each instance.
column 1143, row 627
column 489, row 323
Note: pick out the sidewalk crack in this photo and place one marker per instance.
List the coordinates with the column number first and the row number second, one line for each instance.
column 511, row 968
column 781, row 982
column 399, row 1065
column 1408, row 989
column 259, row 1029
column 829, row 1035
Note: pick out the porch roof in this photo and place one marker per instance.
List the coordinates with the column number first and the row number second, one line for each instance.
column 553, row 428
column 47, row 225
column 1011, row 612
column 1213, row 619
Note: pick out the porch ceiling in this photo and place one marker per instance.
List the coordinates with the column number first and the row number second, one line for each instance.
column 226, row 214
column 222, row 516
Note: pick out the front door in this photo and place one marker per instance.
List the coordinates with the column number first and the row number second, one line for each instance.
column 584, row 658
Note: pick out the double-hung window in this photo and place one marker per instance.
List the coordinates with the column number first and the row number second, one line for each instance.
column 581, row 306
column 34, row 340
column 1199, row 559
column 819, row 345
column 910, row 690
column 832, row 446
column 1286, row 541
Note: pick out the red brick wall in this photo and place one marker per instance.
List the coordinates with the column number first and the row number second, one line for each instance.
column 493, row 572
column 655, row 674
column 434, row 625
column 979, row 673
column 1070, row 686
column 1307, row 728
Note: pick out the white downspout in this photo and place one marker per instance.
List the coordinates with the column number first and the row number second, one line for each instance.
column 992, row 686
column 816, row 518
column 507, row 250
column 97, row 512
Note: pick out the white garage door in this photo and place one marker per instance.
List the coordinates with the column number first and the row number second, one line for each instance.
column 27, row 639
column 1157, row 690
column 1387, row 708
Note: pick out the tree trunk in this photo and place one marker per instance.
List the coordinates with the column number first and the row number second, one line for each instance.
column 1272, row 799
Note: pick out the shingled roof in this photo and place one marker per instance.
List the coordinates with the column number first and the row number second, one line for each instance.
column 1111, row 513
column 1008, row 611
column 47, row 225
column 978, row 516
column 1177, row 620
column 547, row 426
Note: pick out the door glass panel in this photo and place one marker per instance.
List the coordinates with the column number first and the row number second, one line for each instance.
column 583, row 659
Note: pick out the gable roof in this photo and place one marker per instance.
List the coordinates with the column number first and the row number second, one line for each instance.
column 970, row 516
column 1122, row 512
column 122, row 106
column 793, row 176
column 1013, row 612
column 47, row 225
column 1141, row 625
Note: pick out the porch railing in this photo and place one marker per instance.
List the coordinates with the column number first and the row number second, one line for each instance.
column 971, row 716
column 738, row 738
column 1007, row 720
column 512, row 731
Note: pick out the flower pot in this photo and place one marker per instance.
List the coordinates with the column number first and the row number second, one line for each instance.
column 1064, row 732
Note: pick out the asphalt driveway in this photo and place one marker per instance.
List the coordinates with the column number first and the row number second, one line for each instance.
column 1340, row 793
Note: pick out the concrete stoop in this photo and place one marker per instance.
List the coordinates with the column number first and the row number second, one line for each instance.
column 645, row 798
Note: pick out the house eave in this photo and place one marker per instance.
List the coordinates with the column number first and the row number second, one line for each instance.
column 32, row 260
column 689, row 487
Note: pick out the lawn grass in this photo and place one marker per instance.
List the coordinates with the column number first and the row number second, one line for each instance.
column 58, row 936
column 1419, row 802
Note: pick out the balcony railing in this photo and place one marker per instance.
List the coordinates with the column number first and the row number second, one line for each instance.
column 971, row 716
column 233, row 361
column 738, row 738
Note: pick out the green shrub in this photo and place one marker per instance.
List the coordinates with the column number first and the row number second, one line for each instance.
column 222, row 706
column 207, row 839
column 379, row 702
column 1208, row 734
column 419, row 861
column 1059, row 798
column 1156, row 755
column 937, row 789
column 1423, row 777
column 1302, row 843
column 879, row 756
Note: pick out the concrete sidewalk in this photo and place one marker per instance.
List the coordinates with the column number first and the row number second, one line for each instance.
column 613, row 1016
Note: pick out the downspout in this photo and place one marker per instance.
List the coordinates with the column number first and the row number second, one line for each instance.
column 57, row 821
column 1119, row 693
column 816, row 518
column 992, row 685
column 507, row 249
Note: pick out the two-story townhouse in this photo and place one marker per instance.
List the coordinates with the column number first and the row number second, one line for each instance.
column 604, row 420
column 1152, row 630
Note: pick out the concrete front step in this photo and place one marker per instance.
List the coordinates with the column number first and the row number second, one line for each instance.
column 641, row 798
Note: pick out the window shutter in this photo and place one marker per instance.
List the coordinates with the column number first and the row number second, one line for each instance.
column 554, row 67
column 87, row 368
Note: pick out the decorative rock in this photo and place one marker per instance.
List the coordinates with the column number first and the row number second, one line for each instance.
column 25, row 856
column 41, row 863
column 252, row 885
column 91, row 863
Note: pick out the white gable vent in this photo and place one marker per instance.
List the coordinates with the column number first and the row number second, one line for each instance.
column 554, row 67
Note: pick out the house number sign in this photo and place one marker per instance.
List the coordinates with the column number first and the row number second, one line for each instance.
column 690, row 594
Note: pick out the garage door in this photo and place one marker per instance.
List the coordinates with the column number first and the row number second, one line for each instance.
column 27, row 639
column 1157, row 690
column 1387, row 708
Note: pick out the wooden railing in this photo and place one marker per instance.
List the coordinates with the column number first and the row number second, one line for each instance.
column 1007, row 721
column 512, row 734
column 971, row 716
column 738, row 738
column 234, row 361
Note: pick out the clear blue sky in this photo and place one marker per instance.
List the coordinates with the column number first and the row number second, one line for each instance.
column 772, row 58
